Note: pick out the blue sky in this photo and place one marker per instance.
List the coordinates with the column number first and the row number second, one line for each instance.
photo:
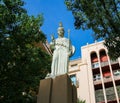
column 55, row 11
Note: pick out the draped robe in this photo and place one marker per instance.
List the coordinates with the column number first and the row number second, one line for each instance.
column 62, row 51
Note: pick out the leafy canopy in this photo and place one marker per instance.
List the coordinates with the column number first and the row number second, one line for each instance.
column 22, row 64
column 103, row 17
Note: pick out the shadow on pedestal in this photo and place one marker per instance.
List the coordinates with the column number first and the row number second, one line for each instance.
column 57, row 90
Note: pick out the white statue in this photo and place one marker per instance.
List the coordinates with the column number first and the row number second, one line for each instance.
column 62, row 50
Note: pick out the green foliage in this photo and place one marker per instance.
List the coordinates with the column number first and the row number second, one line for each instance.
column 81, row 101
column 22, row 64
column 103, row 17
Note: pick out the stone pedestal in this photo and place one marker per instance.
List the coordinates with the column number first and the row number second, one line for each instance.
column 44, row 95
column 57, row 90
column 74, row 94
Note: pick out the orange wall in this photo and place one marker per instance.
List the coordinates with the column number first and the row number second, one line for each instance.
column 103, row 58
column 106, row 74
column 94, row 60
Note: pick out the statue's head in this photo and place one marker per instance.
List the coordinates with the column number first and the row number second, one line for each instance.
column 61, row 30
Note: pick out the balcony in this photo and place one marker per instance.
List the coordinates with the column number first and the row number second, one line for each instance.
column 97, row 79
column 99, row 95
column 113, row 62
column 116, row 78
column 110, row 93
column 105, row 63
column 96, row 64
column 107, row 79
column 97, row 82
column 116, row 74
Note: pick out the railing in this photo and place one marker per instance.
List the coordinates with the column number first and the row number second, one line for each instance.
column 108, row 79
column 113, row 62
column 117, row 77
column 105, row 81
column 104, row 64
column 96, row 82
column 96, row 65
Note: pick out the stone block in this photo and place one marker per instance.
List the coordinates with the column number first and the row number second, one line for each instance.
column 57, row 90
column 62, row 89
column 45, row 89
column 74, row 94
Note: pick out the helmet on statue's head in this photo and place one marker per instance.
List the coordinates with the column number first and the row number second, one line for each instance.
column 61, row 29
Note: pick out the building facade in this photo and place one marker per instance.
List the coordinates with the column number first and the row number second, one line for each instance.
column 95, row 75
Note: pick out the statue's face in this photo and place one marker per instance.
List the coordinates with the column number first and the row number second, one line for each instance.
column 61, row 32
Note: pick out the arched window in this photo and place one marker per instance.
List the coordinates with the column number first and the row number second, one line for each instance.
column 94, row 57
column 103, row 56
column 94, row 60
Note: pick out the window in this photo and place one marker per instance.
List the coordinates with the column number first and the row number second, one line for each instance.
column 95, row 65
column 96, row 77
column 116, row 72
column 103, row 56
column 73, row 79
column 107, row 74
column 73, row 65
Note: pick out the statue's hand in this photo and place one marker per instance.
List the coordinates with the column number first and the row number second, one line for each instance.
column 52, row 45
column 52, row 38
column 69, row 54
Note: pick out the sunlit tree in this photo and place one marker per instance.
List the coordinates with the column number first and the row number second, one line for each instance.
column 102, row 17
column 22, row 64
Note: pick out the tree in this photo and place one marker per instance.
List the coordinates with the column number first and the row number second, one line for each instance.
column 103, row 17
column 22, row 64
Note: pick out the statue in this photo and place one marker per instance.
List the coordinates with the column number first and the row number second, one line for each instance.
column 62, row 50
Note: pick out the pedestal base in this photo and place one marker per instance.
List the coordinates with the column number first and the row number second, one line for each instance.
column 57, row 90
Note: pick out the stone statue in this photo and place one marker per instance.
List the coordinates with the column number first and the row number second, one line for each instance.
column 62, row 50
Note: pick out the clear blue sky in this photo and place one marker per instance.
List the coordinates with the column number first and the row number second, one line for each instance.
column 55, row 11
